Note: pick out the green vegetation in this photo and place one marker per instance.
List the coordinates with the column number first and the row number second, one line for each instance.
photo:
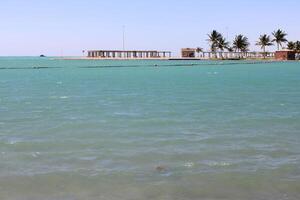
column 291, row 45
column 222, row 45
column 297, row 46
column 241, row 44
column 294, row 46
column 214, row 38
column 264, row 41
column 218, row 42
column 279, row 38
column 199, row 50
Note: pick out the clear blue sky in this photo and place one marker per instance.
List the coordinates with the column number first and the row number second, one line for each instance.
column 55, row 27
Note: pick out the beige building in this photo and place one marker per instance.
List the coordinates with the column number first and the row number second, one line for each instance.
column 188, row 53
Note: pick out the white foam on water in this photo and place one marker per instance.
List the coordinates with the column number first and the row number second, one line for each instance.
column 13, row 141
column 59, row 83
column 73, row 118
column 91, row 158
column 189, row 164
column 166, row 174
column 35, row 154
column 129, row 114
column 219, row 164
column 59, row 97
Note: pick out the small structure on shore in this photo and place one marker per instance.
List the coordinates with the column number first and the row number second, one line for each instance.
column 285, row 55
column 188, row 53
column 135, row 54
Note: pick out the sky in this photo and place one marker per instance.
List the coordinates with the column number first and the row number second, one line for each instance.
column 67, row 27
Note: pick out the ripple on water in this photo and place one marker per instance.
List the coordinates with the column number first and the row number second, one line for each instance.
column 64, row 97
column 89, row 158
column 59, row 97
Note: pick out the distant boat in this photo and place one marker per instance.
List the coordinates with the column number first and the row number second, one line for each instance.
column 42, row 56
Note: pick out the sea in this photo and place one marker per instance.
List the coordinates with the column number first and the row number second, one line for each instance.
column 149, row 130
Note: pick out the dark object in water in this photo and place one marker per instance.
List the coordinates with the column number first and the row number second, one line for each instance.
column 161, row 169
column 42, row 56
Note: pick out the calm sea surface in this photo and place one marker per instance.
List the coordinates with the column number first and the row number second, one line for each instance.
column 139, row 130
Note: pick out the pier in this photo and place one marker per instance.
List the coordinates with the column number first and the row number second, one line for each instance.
column 236, row 55
column 136, row 54
column 186, row 54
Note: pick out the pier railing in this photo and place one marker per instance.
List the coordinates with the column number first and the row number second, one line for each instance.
column 236, row 55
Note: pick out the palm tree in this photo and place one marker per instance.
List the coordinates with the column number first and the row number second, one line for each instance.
column 230, row 49
column 199, row 50
column 264, row 41
column 279, row 38
column 297, row 46
column 291, row 45
column 241, row 43
column 214, row 38
column 222, row 45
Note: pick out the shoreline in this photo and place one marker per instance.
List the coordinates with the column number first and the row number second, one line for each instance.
column 93, row 58
column 172, row 59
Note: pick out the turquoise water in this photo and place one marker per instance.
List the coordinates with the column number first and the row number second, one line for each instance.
column 134, row 130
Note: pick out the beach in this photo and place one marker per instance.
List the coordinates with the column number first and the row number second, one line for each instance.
column 149, row 129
